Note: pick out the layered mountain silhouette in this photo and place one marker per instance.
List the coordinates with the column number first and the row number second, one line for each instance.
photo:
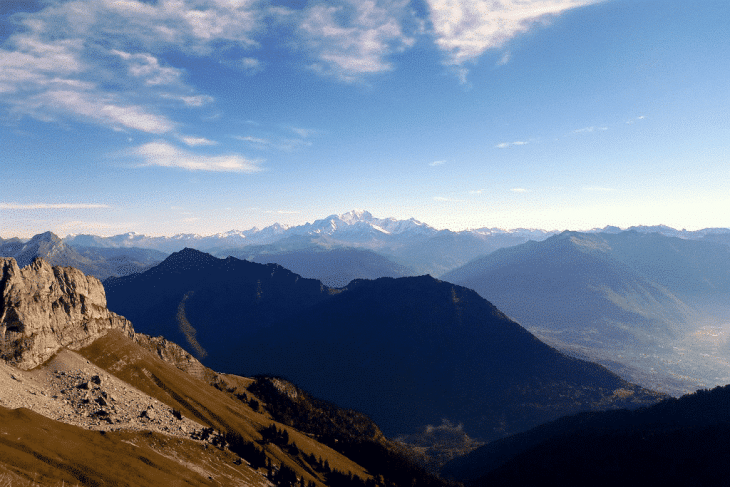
column 98, row 262
column 675, row 442
column 616, row 296
column 575, row 282
column 204, row 303
column 410, row 243
column 412, row 351
column 334, row 267
column 127, row 409
column 408, row 352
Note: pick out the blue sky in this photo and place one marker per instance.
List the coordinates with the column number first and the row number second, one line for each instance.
column 170, row 116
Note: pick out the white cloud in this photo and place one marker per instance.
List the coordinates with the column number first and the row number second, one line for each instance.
column 148, row 67
column 504, row 59
column 165, row 155
column 352, row 38
column 279, row 142
column 519, row 190
column 92, row 106
column 196, row 141
column 464, row 29
column 634, row 120
column 590, row 129
column 249, row 65
column 99, row 60
column 255, row 140
column 51, row 206
column 303, row 133
column 506, row 145
column 196, row 100
column 436, row 163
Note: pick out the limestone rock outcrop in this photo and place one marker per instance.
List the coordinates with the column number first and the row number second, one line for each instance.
column 44, row 308
column 174, row 354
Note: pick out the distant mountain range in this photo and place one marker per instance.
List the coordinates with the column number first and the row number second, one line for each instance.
column 651, row 303
column 409, row 243
column 106, row 405
column 652, row 307
column 408, row 352
column 95, row 261
column 413, row 245
column 334, row 267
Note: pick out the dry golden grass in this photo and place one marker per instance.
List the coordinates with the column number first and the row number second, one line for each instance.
column 206, row 404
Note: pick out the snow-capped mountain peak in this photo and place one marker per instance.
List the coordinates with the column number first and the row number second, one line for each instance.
column 355, row 216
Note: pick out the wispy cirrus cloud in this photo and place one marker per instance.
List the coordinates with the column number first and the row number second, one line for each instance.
column 507, row 145
column 447, row 200
column 303, row 132
column 465, row 29
column 100, row 61
column 635, row 119
column 107, row 62
column 504, row 59
column 279, row 138
column 587, row 130
column 436, row 163
column 520, row 190
column 255, row 140
column 93, row 106
column 166, row 155
column 197, row 141
column 52, row 206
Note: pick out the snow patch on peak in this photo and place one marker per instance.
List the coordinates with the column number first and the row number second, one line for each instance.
column 380, row 229
column 355, row 216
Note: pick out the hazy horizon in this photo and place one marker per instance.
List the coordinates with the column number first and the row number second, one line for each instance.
column 341, row 214
column 203, row 116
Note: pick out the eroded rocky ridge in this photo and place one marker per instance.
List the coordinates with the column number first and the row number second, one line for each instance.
column 44, row 308
column 174, row 354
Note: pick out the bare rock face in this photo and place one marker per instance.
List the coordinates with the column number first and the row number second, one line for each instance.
column 173, row 354
column 44, row 308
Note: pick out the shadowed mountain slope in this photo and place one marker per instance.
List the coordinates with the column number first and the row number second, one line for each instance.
column 412, row 351
column 575, row 284
column 209, row 429
column 675, row 442
column 201, row 402
column 204, row 303
column 651, row 307
column 408, row 352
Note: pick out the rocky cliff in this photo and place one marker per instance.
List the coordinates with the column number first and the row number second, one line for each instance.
column 174, row 354
column 44, row 308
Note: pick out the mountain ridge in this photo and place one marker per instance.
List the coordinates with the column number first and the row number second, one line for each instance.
column 676, row 441
column 644, row 300
column 159, row 415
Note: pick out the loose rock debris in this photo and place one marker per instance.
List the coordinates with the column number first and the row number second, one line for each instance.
column 71, row 390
